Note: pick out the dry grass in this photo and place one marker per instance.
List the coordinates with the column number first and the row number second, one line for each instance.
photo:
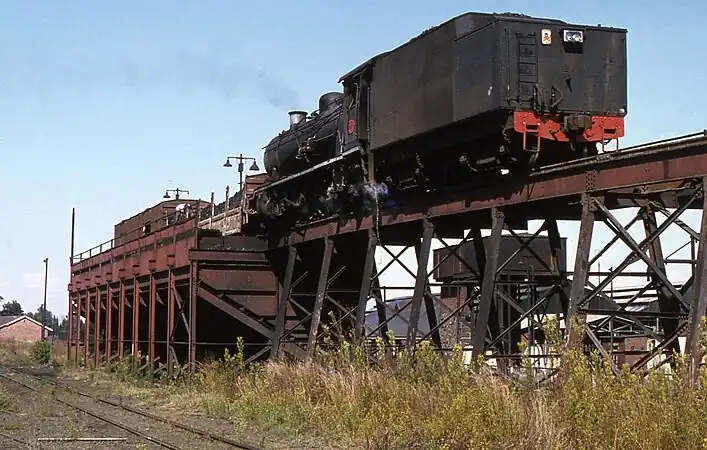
column 15, row 351
column 24, row 352
column 422, row 404
column 7, row 400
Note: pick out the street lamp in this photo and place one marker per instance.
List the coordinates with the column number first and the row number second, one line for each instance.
column 176, row 193
column 44, row 308
column 240, row 159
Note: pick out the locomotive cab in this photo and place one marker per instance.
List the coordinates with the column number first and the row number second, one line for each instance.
column 356, row 86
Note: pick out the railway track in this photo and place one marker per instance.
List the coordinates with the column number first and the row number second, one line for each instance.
column 12, row 375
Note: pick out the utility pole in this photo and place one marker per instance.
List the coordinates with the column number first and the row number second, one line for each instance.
column 44, row 307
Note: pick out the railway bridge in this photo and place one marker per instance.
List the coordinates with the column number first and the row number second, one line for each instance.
column 188, row 286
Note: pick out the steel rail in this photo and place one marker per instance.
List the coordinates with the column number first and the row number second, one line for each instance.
column 94, row 415
column 139, row 412
column 11, row 438
column 679, row 158
column 148, row 415
column 638, row 151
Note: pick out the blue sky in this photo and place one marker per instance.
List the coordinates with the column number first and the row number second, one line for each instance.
column 105, row 105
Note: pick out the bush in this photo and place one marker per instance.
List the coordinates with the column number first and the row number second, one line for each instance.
column 42, row 352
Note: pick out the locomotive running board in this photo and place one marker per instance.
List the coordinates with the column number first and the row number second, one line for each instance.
column 328, row 162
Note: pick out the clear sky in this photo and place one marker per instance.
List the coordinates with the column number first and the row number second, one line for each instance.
column 104, row 105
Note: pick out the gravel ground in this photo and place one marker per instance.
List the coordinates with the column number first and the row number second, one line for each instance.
column 221, row 427
column 29, row 419
column 31, row 415
column 27, row 416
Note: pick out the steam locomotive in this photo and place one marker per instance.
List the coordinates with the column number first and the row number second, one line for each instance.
column 478, row 96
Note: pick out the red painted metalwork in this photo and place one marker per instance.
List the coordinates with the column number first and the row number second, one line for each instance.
column 551, row 128
column 170, row 321
column 193, row 292
column 121, row 320
column 136, row 322
column 109, row 323
column 97, row 329
column 152, row 318
column 88, row 327
column 78, row 328
column 123, row 258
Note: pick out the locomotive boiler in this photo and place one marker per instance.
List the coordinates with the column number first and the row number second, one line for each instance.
column 478, row 96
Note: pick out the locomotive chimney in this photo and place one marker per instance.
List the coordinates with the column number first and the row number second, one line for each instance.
column 297, row 117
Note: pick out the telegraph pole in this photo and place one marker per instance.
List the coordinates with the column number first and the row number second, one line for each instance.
column 44, row 308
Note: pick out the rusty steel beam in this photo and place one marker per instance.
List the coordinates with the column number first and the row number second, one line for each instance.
column 487, row 285
column 88, row 327
column 152, row 317
column 365, row 291
column 651, row 164
column 380, row 307
column 285, row 287
column 97, row 330
column 170, row 323
column 628, row 239
column 319, row 300
column 193, row 300
column 79, row 308
column 699, row 298
column 136, row 323
column 228, row 256
column 109, row 323
column 669, row 297
column 121, row 320
column 423, row 256
column 205, row 294
column 635, row 256
column 667, row 302
column 182, row 305
column 581, row 263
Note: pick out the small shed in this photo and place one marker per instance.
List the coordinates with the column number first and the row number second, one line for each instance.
column 21, row 329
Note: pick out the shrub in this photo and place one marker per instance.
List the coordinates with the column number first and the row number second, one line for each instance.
column 42, row 352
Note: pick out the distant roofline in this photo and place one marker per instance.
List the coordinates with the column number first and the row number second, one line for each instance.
column 18, row 318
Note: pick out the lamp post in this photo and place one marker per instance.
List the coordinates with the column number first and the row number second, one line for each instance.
column 44, row 307
column 176, row 193
column 240, row 159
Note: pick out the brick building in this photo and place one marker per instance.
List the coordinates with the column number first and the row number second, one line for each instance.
column 21, row 328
